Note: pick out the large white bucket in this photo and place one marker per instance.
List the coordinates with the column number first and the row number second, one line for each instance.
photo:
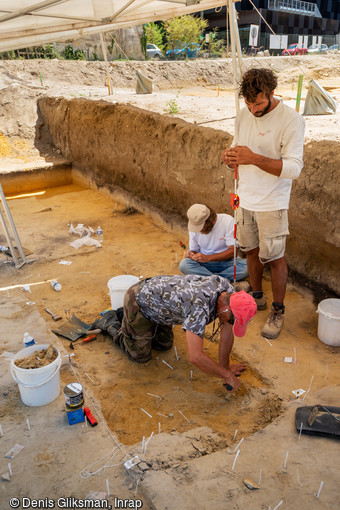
column 329, row 321
column 37, row 386
column 118, row 285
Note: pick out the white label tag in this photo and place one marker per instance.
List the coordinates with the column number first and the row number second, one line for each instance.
column 299, row 392
column 132, row 462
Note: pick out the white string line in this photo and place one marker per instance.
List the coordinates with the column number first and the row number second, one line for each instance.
column 99, row 413
column 84, row 473
column 115, row 42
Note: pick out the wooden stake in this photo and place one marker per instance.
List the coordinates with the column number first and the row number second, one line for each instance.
column 136, row 487
column 316, row 495
column 238, row 444
column 286, row 459
column 300, row 430
column 145, row 412
column 167, row 364
column 298, row 97
column 180, row 412
column 237, row 454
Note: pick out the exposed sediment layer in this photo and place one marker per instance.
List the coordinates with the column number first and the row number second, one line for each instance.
column 170, row 164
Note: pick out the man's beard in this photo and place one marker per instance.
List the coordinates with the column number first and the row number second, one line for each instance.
column 264, row 111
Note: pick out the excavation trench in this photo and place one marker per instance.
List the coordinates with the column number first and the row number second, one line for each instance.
column 123, row 156
column 177, row 399
column 112, row 157
column 167, row 164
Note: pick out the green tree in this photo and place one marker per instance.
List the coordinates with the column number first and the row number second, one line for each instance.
column 215, row 46
column 155, row 35
column 70, row 54
column 184, row 29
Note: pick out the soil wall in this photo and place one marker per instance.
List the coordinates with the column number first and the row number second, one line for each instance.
column 169, row 164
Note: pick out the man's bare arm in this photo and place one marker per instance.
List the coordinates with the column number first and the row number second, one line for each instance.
column 225, row 346
column 205, row 363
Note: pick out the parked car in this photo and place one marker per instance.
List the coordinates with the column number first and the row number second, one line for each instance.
column 152, row 51
column 318, row 49
column 190, row 50
column 334, row 47
column 295, row 49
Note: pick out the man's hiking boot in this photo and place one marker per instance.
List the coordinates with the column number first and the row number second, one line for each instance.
column 274, row 323
column 242, row 286
column 261, row 302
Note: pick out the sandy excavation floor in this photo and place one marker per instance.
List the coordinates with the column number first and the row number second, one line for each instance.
column 134, row 244
column 189, row 464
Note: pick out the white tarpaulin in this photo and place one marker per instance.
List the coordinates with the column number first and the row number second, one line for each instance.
column 28, row 23
column 144, row 84
column 318, row 101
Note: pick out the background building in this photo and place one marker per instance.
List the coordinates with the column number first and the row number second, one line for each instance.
column 294, row 21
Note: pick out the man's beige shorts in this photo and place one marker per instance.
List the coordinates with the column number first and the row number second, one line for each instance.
column 266, row 230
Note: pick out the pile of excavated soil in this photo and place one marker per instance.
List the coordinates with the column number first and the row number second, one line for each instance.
column 38, row 359
column 21, row 87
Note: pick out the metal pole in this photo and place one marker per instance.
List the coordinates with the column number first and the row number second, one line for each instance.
column 14, row 230
column 233, row 53
column 237, row 39
column 106, row 62
column 9, row 241
column 235, row 225
column 227, row 28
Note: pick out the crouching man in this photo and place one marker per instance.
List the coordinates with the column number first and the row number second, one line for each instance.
column 211, row 245
column 154, row 305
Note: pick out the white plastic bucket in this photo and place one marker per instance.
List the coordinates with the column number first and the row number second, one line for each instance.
column 37, row 386
column 329, row 321
column 118, row 285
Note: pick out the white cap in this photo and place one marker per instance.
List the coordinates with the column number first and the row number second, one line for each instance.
column 197, row 215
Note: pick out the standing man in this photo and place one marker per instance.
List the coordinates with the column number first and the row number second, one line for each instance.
column 154, row 305
column 268, row 149
column 211, row 245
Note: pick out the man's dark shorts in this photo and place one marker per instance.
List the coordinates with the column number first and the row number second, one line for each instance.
column 137, row 335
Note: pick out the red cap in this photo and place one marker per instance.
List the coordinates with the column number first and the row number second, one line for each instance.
column 244, row 309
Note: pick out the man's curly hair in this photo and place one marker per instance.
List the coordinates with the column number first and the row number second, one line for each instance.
column 256, row 81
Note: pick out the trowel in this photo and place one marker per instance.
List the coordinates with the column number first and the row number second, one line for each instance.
column 74, row 329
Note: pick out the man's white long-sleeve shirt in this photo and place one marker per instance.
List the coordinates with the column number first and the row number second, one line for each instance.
column 278, row 135
column 219, row 239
